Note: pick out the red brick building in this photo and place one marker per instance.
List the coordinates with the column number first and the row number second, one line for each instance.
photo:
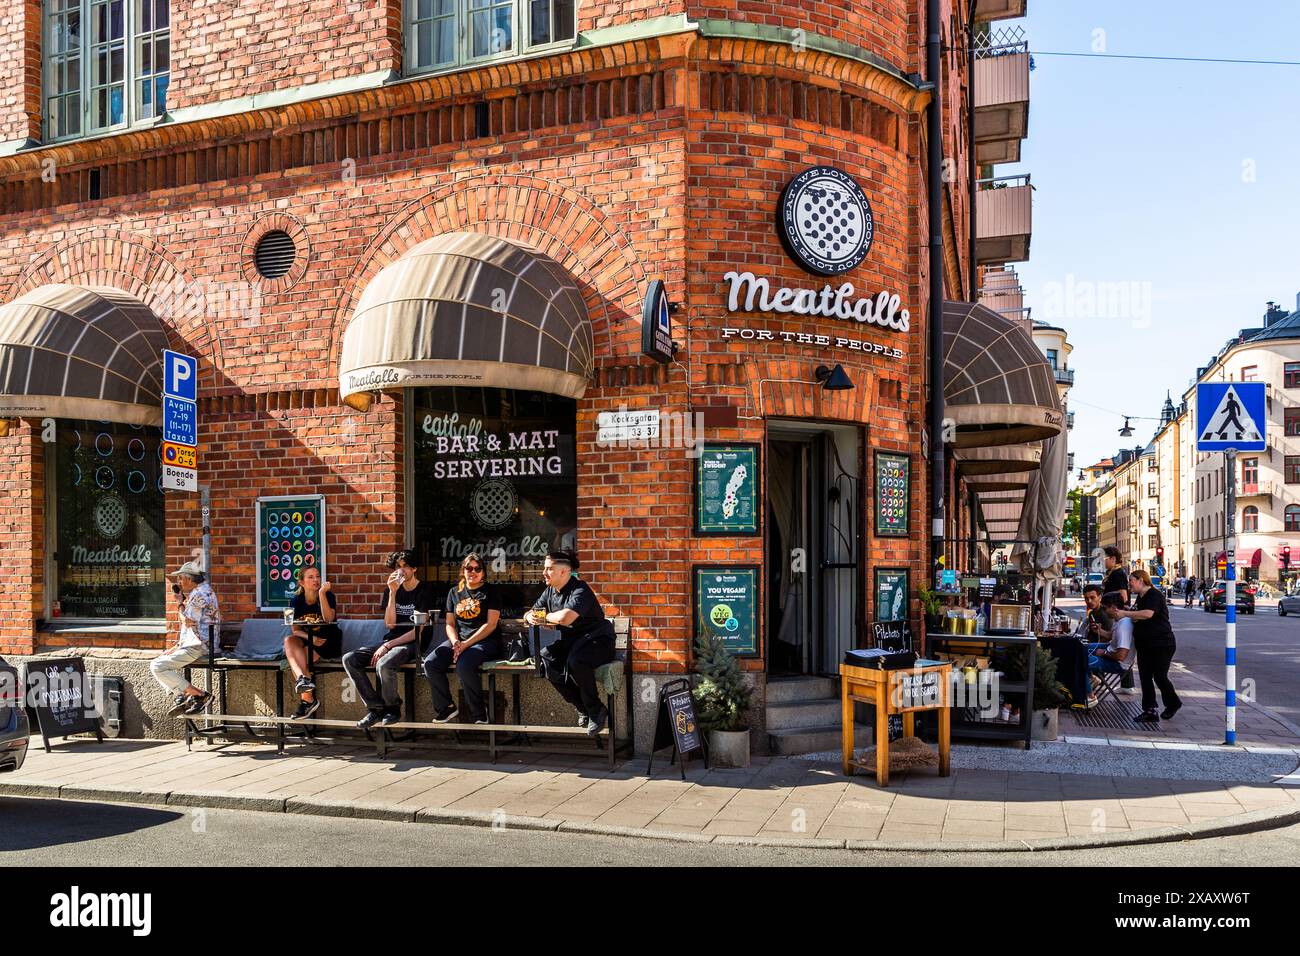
column 464, row 172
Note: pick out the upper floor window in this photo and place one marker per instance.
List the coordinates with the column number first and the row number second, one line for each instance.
column 1250, row 519
column 107, row 64
column 1293, row 469
column 1051, row 357
column 1291, row 421
column 1291, row 375
column 1250, row 472
column 441, row 34
column 1250, row 373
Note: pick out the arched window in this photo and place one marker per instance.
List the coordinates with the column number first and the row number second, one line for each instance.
column 1293, row 517
column 1250, row 518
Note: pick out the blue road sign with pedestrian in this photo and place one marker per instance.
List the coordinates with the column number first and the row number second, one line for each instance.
column 180, row 376
column 1230, row 415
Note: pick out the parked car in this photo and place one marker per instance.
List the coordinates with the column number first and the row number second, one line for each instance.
column 1288, row 604
column 13, row 720
column 1217, row 598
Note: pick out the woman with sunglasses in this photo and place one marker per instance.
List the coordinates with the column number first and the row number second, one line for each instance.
column 473, row 639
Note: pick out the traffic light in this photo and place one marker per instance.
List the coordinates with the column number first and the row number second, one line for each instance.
column 1286, row 557
column 1160, row 555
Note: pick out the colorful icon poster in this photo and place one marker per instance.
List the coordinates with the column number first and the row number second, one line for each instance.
column 893, row 495
column 290, row 539
column 726, row 490
column 726, row 605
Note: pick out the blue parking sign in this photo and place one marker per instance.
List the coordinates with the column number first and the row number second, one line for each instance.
column 180, row 375
column 180, row 421
column 1230, row 415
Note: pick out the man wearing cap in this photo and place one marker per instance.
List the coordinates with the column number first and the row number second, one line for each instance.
column 198, row 612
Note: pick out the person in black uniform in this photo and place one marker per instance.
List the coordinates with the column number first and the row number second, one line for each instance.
column 315, row 599
column 586, row 638
column 405, row 595
column 473, row 639
column 1153, row 639
column 1116, row 576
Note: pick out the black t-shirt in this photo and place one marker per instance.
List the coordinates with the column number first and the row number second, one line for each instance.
column 471, row 606
column 302, row 609
column 577, row 596
column 1155, row 630
column 419, row 598
column 1116, row 580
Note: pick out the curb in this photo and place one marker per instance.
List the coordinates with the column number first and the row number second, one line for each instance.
column 1252, row 821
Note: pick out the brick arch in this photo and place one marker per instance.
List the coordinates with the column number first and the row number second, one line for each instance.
column 542, row 215
column 775, row 389
column 140, row 266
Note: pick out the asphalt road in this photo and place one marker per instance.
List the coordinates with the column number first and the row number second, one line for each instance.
column 68, row 833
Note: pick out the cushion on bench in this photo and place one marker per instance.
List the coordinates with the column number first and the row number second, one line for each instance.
column 360, row 632
column 260, row 639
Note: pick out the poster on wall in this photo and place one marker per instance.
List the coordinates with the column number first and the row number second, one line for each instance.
column 290, row 539
column 891, row 594
column 726, row 605
column 726, row 489
column 893, row 495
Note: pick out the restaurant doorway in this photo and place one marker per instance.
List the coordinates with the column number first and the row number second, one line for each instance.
column 813, row 546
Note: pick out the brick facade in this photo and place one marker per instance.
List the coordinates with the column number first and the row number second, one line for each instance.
column 645, row 159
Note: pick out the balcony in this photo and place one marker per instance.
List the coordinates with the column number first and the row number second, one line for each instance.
column 999, row 9
column 1063, row 376
column 1255, row 489
column 1069, row 420
column 1003, row 220
column 1001, row 96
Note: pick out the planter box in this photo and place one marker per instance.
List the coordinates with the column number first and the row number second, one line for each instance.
column 1043, row 725
column 728, row 748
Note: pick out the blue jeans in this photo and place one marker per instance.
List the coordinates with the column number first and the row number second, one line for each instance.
column 438, row 663
column 1103, row 665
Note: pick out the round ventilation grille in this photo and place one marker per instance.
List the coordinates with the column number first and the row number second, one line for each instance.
column 274, row 254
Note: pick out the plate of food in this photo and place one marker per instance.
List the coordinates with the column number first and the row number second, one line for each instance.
column 309, row 620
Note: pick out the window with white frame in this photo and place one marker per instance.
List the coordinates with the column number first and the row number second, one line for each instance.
column 442, row 34
column 107, row 64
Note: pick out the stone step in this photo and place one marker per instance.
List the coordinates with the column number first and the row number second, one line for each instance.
column 803, row 713
column 786, row 690
column 809, row 740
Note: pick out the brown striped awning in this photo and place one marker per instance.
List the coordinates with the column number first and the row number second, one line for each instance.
column 468, row 309
column 998, row 388
column 71, row 351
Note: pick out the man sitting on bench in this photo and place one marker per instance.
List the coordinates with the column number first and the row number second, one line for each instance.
column 406, row 594
column 586, row 638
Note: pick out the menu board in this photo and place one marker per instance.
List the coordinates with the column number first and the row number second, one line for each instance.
column 891, row 594
column 290, row 538
column 726, row 605
column 60, row 695
column 726, row 490
column 893, row 495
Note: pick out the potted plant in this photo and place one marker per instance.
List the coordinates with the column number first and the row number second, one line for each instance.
column 932, row 606
column 722, row 699
column 1049, row 694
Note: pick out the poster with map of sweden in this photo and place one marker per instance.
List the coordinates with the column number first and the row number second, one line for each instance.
column 727, row 488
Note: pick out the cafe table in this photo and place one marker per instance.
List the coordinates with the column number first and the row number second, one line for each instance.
column 927, row 686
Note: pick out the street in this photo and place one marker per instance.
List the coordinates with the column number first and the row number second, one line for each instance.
column 64, row 833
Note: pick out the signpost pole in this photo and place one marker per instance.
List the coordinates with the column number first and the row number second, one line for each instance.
column 1230, row 599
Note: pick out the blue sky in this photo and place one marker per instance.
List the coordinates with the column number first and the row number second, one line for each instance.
column 1169, row 191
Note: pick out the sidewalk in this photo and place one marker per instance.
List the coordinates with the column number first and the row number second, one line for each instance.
column 775, row 800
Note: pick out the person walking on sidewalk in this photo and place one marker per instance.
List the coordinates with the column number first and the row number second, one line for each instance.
column 586, row 638
column 198, row 612
column 1153, row 639
column 473, row 639
column 405, row 595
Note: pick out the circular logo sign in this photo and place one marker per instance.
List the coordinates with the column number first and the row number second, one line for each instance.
column 825, row 221
column 110, row 516
column 493, row 503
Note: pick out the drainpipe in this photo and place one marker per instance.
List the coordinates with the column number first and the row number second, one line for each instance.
column 971, row 172
column 934, row 133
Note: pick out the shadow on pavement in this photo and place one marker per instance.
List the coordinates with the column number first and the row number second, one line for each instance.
column 28, row 823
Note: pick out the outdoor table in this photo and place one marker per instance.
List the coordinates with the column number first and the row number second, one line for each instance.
column 885, row 690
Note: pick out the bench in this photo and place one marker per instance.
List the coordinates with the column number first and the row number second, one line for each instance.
column 260, row 647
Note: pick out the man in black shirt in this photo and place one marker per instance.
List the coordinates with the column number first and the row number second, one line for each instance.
column 1116, row 575
column 586, row 638
column 406, row 594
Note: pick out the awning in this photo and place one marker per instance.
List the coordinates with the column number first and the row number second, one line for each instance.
column 998, row 387
column 1251, row 557
column 997, row 459
column 81, row 352
column 468, row 309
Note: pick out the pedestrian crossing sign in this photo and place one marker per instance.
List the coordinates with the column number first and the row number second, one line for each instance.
column 1230, row 415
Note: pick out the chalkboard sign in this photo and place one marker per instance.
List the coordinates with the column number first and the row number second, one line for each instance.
column 891, row 635
column 916, row 690
column 290, row 538
column 60, row 694
column 676, row 726
column 726, row 605
column 893, row 495
column 726, row 490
